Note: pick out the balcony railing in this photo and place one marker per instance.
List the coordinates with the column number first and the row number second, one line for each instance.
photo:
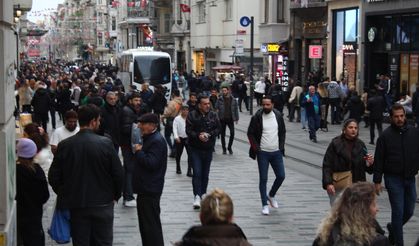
column 295, row 4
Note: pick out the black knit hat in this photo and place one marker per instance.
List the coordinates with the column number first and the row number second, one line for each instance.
column 149, row 118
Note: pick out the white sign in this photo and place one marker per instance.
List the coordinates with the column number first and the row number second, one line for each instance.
column 239, row 47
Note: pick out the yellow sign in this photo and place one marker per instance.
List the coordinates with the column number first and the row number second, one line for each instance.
column 2, row 239
column 273, row 47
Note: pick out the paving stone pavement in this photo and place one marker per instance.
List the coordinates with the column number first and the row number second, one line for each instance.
column 302, row 202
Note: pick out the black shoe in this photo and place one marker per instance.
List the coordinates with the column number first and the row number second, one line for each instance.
column 390, row 233
column 189, row 174
column 178, row 171
column 224, row 151
column 371, row 142
column 230, row 151
column 314, row 140
column 172, row 155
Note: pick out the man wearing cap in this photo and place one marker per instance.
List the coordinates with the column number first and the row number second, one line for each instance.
column 149, row 171
column 87, row 176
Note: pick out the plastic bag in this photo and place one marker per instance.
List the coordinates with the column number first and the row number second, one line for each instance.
column 135, row 136
column 59, row 230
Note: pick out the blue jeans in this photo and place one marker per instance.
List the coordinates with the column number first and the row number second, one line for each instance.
column 277, row 163
column 201, row 162
column 313, row 125
column 303, row 117
column 402, row 196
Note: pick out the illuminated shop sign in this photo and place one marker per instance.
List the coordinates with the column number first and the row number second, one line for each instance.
column 270, row 48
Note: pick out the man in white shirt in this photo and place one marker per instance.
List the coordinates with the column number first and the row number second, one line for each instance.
column 266, row 135
column 69, row 129
column 260, row 88
column 179, row 133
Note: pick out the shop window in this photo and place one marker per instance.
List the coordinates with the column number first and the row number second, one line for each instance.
column 351, row 24
column 415, row 32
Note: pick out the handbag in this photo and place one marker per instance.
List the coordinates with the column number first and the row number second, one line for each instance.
column 342, row 180
column 59, row 230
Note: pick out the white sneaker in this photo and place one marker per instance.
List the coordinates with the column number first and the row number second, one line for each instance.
column 273, row 202
column 130, row 204
column 265, row 210
column 197, row 202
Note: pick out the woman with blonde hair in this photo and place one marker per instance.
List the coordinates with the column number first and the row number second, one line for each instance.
column 217, row 223
column 352, row 219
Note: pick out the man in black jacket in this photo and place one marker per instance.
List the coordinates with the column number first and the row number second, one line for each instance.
column 129, row 115
column 87, row 176
column 266, row 134
column 202, row 128
column 396, row 156
column 109, row 124
column 149, row 171
column 376, row 105
column 41, row 103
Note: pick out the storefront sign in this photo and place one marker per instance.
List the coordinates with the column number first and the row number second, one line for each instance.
column 374, row 1
column 282, row 71
column 270, row 48
column 315, row 51
column 349, row 47
column 371, row 34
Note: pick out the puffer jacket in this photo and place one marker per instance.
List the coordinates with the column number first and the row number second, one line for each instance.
column 206, row 235
column 397, row 153
column 197, row 122
column 334, row 90
column 219, row 106
column 339, row 158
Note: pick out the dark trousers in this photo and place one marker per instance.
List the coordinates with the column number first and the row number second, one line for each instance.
column 129, row 162
column 168, row 130
column 53, row 121
column 148, row 210
column 246, row 102
column 294, row 108
column 402, row 196
column 30, row 232
column 92, row 226
column 41, row 120
column 224, row 124
column 313, row 125
column 27, row 108
column 201, row 162
column 373, row 123
column 334, row 109
column 179, row 151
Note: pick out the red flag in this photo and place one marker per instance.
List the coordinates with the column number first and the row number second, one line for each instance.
column 131, row 4
column 185, row 8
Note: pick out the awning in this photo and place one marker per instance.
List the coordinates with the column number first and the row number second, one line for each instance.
column 227, row 68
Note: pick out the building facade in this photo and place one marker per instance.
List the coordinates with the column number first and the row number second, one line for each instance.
column 217, row 38
column 391, row 43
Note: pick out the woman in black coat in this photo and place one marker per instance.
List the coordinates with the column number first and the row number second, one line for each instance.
column 31, row 194
column 346, row 153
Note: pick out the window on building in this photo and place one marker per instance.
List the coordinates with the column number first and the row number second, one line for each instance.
column 266, row 12
column 229, row 9
column 280, row 18
column 201, row 12
column 99, row 17
column 113, row 23
column 99, row 39
column 167, row 22
column 351, row 25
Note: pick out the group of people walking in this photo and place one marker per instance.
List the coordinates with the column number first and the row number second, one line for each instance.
column 89, row 179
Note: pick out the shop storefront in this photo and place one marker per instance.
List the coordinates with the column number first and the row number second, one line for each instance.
column 198, row 61
column 345, row 45
column 392, row 47
column 277, row 63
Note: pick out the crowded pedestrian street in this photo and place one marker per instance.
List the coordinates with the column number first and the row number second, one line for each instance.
column 302, row 201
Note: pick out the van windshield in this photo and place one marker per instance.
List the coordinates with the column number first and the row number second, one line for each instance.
column 152, row 69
